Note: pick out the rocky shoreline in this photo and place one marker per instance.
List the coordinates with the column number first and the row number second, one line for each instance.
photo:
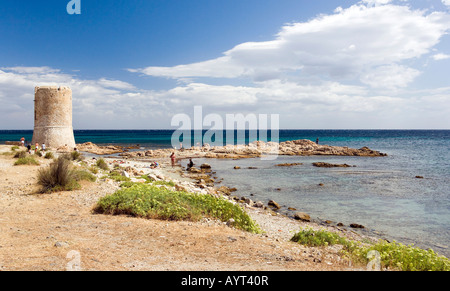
column 252, row 150
column 202, row 180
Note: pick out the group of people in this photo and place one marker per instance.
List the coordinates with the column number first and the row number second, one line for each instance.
column 174, row 159
column 29, row 147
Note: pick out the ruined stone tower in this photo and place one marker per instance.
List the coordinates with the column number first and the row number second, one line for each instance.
column 53, row 117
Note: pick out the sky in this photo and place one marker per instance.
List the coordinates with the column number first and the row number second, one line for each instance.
column 135, row 64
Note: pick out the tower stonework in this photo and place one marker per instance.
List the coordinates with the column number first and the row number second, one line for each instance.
column 53, row 117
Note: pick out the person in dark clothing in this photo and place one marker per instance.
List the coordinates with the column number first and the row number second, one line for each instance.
column 190, row 165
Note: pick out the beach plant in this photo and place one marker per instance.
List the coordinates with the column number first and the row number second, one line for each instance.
column 151, row 202
column 49, row 156
column 102, row 164
column 393, row 255
column 73, row 156
column 20, row 154
column 83, row 175
column 60, row 175
column 94, row 169
column 314, row 238
column 27, row 160
column 118, row 177
column 14, row 148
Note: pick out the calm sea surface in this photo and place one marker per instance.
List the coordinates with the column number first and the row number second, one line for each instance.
column 380, row 193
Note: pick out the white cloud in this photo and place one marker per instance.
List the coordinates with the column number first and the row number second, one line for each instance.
column 446, row 2
column 390, row 77
column 343, row 70
column 345, row 45
column 438, row 57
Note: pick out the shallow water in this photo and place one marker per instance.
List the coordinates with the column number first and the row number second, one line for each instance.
column 381, row 193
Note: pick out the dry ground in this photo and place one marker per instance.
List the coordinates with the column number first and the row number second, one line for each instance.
column 54, row 232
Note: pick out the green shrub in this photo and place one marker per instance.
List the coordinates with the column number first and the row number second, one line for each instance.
column 101, row 163
column 314, row 238
column 127, row 184
column 118, row 177
column 83, row 175
column 73, row 156
column 14, row 148
column 28, row 160
column 393, row 255
column 148, row 201
column 49, row 156
column 93, row 169
column 21, row 154
column 406, row 258
column 58, row 176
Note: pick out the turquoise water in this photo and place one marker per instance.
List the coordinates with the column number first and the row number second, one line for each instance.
column 380, row 193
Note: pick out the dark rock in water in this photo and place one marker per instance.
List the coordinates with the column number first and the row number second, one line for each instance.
column 419, row 177
column 205, row 166
column 274, row 204
column 237, row 167
column 289, row 164
column 252, row 168
column 302, row 216
column 355, row 225
column 327, row 165
column 340, row 224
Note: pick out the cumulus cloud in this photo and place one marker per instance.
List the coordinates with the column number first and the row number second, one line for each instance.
column 348, row 44
column 353, row 64
column 91, row 97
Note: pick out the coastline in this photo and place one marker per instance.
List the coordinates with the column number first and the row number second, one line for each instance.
column 124, row 243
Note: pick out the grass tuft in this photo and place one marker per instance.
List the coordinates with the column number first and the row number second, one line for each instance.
column 28, row 160
column 61, row 176
column 49, row 156
column 101, row 163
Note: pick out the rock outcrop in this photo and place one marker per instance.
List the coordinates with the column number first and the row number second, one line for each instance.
column 258, row 149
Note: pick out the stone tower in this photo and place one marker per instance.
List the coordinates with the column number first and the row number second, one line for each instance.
column 53, row 117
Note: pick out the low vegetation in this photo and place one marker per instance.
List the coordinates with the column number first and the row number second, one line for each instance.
column 49, row 156
column 27, row 160
column 118, row 177
column 392, row 255
column 149, row 201
column 73, row 156
column 101, row 163
column 20, row 154
column 60, row 175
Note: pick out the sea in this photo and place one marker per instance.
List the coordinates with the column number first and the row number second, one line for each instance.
column 402, row 197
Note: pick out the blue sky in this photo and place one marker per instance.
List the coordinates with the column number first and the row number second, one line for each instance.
column 135, row 64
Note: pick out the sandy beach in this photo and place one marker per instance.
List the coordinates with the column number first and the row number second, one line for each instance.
column 51, row 231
